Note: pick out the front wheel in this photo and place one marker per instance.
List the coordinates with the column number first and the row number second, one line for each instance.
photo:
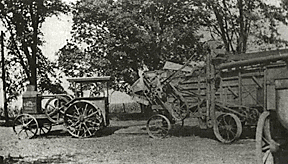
column 228, row 128
column 25, row 126
column 158, row 126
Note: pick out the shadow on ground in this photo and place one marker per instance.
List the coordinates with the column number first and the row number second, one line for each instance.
column 187, row 131
column 52, row 159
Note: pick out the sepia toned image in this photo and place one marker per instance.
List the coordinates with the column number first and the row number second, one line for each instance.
column 144, row 81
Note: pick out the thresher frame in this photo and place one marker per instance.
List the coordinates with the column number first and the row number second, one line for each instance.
column 233, row 88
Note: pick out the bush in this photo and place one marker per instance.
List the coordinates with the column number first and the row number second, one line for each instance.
column 12, row 112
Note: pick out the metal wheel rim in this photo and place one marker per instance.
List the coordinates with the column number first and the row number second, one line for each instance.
column 54, row 112
column 82, row 119
column 45, row 128
column 263, row 140
column 228, row 128
column 25, row 126
column 158, row 126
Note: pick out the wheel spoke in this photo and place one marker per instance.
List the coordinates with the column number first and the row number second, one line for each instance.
column 266, row 156
column 52, row 106
column 58, row 116
column 77, row 110
column 71, row 116
column 20, row 131
column 41, row 129
column 232, row 132
column 26, row 133
column 87, row 129
column 92, row 114
column 85, row 110
column 53, row 113
column 93, row 122
column 78, row 132
column 224, row 120
column 45, row 128
column 29, row 122
column 75, row 123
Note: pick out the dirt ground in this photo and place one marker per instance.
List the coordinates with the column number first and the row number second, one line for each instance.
column 127, row 142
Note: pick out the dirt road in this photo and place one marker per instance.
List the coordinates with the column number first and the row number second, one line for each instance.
column 126, row 142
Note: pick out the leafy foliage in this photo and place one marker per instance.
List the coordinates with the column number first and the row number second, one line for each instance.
column 120, row 37
column 22, row 20
column 123, row 36
column 243, row 24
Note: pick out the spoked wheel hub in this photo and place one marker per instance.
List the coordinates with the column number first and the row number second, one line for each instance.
column 81, row 118
column 25, row 126
column 227, row 127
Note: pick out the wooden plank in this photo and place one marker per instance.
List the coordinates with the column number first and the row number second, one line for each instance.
column 231, row 90
column 257, row 82
column 174, row 66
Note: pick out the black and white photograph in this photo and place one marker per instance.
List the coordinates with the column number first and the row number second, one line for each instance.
column 144, row 81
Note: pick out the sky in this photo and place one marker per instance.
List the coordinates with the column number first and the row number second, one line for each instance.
column 56, row 31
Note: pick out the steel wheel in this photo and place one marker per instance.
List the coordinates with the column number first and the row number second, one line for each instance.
column 228, row 128
column 25, row 126
column 45, row 128
column 265, row 145
column 82, row 119
column 54, row 109
column 158, row 126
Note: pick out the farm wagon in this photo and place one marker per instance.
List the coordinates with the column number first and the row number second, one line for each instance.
column 226, row 93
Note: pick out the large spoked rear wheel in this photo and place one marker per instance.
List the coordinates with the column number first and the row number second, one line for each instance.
column 54, row 109
column 158, row 126
column 83, row 119
column 228, row 128
column 25, row 126
column 264, row 141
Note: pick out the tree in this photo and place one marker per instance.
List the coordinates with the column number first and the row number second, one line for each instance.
column 126, row 35
column 22, row 20
column 244, row 24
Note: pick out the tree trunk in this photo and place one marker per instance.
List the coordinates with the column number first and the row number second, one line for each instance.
column 33, row 64
column 3, row 80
